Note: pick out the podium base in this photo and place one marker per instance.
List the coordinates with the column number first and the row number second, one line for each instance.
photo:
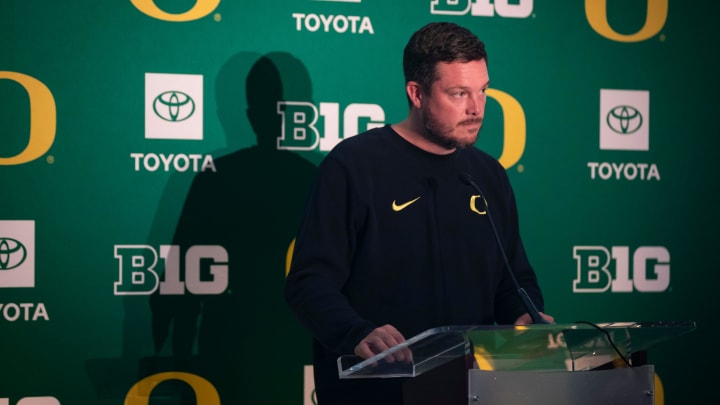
column 620, row 386
column 446, row 384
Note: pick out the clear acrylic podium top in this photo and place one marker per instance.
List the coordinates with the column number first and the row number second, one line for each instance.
column 566, row 347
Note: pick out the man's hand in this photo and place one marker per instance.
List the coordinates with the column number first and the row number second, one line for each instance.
column 381, row 339
column 525, row 319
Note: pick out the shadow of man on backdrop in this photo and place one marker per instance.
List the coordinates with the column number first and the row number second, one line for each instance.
column 249, row 346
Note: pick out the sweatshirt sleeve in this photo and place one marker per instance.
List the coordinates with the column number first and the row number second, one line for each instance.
column 321, row 262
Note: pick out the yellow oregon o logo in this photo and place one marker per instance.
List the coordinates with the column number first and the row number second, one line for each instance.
column 659, row 391
column 473, row 204
column 42, row 118
column 199, row 10
column 596, row 13
column 513, row 128
column 288, row 257
column 205, row 393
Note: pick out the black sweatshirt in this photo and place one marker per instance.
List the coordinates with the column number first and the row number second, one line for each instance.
column 392, row 235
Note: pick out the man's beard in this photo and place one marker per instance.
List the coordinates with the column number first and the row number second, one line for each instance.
column 443, row 134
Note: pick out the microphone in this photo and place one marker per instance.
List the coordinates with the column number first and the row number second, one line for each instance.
column 527, row 302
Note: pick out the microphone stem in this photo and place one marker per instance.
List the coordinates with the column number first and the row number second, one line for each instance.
column 527, row 302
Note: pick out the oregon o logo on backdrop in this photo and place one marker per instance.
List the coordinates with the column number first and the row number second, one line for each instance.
column 42, row 118
column 205, row 392
column 288, row 256
column 513, row 127
column 199, row 10
column 596, row 13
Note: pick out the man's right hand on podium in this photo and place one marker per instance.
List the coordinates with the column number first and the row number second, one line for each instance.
column 381, row 339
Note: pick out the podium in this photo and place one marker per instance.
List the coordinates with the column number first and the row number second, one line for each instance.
column 534, row 364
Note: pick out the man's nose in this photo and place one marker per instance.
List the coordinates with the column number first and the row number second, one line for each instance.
column 474, row 105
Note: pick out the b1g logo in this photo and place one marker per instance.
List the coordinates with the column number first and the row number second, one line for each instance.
column 32, row 401
column 43, row 120
column 300, row 119
column 483, row 8
column 309, row 394
column 138, row 275
column 650, row 269
column 656, row 15
column 199, row 10
column 17, row 254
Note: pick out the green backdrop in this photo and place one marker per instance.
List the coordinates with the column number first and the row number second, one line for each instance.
column 154, row 157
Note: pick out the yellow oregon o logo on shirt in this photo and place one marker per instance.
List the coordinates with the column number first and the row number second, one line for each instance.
column 199, row 10
column 513, row 127
column 205, row 392
column 42, row 118
column 596, row 13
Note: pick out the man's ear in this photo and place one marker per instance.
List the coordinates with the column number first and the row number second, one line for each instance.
column 414, row 93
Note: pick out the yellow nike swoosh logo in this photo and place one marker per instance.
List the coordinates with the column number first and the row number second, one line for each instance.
column 400, row 207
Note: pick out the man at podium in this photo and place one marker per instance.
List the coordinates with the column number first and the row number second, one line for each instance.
column 410, row 226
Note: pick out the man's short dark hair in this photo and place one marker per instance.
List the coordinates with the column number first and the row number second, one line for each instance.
column 439, row 42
